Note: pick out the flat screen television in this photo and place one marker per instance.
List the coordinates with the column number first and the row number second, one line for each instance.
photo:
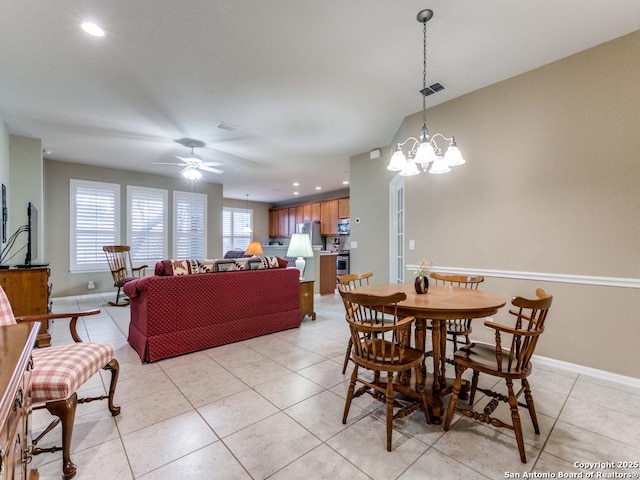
column 32, row 235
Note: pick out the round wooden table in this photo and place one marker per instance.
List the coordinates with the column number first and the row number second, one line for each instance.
column 439, row 304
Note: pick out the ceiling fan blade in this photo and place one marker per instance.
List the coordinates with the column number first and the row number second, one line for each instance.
column 212, row 164
column 192, row 157
column 168, row 163
column 212, row 170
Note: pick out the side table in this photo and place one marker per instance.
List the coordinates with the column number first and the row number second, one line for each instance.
column 306, row 299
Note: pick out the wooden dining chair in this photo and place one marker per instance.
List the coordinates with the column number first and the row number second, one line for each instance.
column 459, row 327
column 58, row 372
column 122, row 270
column 346, row 283
column 510, row 362
column 380, row 341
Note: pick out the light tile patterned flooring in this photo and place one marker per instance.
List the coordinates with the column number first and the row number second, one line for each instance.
column 271, row 407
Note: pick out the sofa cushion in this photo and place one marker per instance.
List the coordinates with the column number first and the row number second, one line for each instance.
column 170, row 268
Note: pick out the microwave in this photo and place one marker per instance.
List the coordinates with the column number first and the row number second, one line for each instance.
column 343, row 226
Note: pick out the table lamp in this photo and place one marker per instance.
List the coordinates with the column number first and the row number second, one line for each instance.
column 300, row 247
column 254, row 248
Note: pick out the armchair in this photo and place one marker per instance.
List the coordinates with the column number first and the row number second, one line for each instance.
column 122, row 270
column 57, row 374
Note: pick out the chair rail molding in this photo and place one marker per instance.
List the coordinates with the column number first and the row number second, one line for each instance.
column 620, row 282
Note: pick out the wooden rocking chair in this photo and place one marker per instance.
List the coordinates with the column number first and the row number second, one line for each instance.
column 119, row 259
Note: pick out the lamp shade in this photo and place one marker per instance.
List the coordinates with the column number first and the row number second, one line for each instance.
column 300, row 246
column 254, row 248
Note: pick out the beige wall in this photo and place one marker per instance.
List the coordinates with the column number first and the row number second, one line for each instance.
column 551, row 185
column 57, row 176
column 27, row 185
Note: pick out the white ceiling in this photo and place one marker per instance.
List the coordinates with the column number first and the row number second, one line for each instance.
column 309, row 83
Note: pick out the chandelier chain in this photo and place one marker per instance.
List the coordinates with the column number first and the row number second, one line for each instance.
column 424, row 75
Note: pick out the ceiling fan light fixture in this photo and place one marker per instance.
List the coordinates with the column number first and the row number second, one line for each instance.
column 191, row 173
column 92, row 29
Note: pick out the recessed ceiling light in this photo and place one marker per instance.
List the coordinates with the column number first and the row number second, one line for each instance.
column 296, row 193
column 296, row 184
column 345, row 182
column 318, row 188
column 92, row 29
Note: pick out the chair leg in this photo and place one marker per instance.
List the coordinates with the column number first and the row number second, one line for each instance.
column 352, row 388
column 389, row 405
column 65, row 410
column 474, row 386
column 515, row 418
column 347, row 355
column 114, row 366
column 530, row 405
column 454, row 396
column 117, row 302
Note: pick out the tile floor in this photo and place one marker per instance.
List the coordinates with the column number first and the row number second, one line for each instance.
column 271, row 407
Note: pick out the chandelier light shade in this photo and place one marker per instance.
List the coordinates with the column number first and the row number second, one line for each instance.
column 424, row 150
column 300, row 247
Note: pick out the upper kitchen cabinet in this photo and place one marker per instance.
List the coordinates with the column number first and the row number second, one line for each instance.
column 343, row 207
column 283, row 221
column 329, row 217
column 315, row 212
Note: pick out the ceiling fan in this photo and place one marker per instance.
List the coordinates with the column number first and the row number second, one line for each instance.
column 192, row 164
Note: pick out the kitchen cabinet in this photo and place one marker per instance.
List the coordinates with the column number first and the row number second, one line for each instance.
column 343, row 207
column 329, row 217
column 315, row 212
column 327, row 273
column 274, row 226
column 292, row 220
column 306, row 212
column 283, row 221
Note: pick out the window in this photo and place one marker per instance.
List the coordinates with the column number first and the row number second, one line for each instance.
column 190, row 225
column 95, row 221
column 237, row 227
column 146, row 224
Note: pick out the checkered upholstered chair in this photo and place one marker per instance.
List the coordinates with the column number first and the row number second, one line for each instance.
column 58, row 372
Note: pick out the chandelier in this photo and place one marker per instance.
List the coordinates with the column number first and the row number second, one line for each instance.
column 424, row 150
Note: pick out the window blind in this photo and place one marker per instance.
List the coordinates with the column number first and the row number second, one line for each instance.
column 146, row 224
column 95, row 208
column 190, row 225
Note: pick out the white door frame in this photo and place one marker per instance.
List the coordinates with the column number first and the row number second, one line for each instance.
column 396, row 230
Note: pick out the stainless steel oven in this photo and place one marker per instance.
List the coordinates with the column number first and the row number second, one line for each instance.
column 342, row 263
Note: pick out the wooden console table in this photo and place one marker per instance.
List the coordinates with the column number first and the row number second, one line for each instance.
column 28, row 291
column 306, row 299
column 16, row 344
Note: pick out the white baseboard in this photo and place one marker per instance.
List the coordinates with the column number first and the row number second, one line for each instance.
column 591, row 372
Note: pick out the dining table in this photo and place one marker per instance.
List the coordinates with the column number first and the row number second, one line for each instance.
column 439, row 304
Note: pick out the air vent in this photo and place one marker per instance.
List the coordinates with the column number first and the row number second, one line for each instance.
column 227, row 126
column 431, row 89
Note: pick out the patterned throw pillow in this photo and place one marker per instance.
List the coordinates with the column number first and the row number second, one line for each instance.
column 184, row 267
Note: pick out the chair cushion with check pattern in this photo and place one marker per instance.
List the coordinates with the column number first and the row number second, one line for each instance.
column 59, row 371
column 6, row 313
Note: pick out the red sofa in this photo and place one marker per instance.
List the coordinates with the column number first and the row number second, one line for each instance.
column 172, row 315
